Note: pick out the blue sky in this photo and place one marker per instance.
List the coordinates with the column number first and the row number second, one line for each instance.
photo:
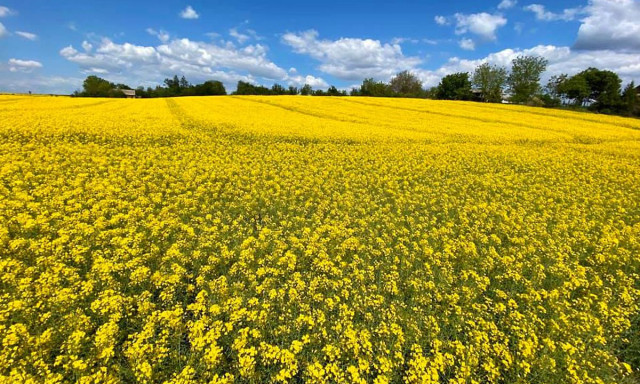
column 50, row 46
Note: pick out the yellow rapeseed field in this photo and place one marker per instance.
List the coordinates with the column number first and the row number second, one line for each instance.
column 316, row 240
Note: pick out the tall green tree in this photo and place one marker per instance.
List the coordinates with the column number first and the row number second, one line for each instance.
column 210, row 88
column 630, row 100
column 306, row 90
column 277, row 89
column 94, row 86
column 575, row 88
column 406, row 84
column 374, row 88
column 333, row 91
column 456, row 86
column 554, row 84
column 524, row 79
column 604, row 88
column 490, row 80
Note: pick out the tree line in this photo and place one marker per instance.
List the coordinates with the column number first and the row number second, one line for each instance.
column 592, row 89
column 244, row 88
column 94, row 86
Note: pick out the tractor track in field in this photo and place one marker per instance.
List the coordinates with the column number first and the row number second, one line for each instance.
column 300, row 111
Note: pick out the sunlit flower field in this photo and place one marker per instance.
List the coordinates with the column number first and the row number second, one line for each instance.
column 316, row 240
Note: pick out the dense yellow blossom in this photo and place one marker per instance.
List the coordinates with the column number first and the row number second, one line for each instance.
column 320, row 240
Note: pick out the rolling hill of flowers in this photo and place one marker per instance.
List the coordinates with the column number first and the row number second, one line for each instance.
column 316, row 240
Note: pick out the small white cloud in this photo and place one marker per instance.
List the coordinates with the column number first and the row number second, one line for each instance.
column 3, row 31
column 506, row 4
column 314, row 82
column 189, row 13
column 17, row 65
column 100, row 71
column 162, row 35
column 543, row 15
column 441, row 20
column 4, row 12
column 402, row 40
column 27, row 35
column 87, row 46
column 68, row 51
column 482, row 24
column 518, row 27
column 240, row 37
column 72, row 26
column 467, row 44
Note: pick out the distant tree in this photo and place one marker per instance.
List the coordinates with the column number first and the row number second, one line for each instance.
column 406, row 84
column 183, row 84
column 630, row 100
column 244, row 88
column 306, row 90
column 210, row 88
column 278, row 89
column 94, row 86
column 374, row 88
column 122, row 86
column 431, row 93
column 554, row 84
column 319, row 92
column 490, row 80
column 333, row 91
column 574, row 88
column 173, row 86
column 524, row 80
column 549, row 101
column 140, row 92
column 604, row 88
column 456, row 86
column 355, row 91
column 293, row 90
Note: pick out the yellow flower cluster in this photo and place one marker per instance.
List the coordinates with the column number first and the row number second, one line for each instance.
column 317, row 240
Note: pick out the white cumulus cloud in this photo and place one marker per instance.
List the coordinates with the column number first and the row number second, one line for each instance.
column 561, row 59
column 314, row 82
column 543, row 14
column 506, row 4
column 240, row 37
column 610, row 24
column 17, row 65
column 87, row 46
column 467, row 44
column 482, row 24
column 189, row 13
column 4, row 11
column 198, row 61
column 163, row 36
column 351, row 58
column 441, row 20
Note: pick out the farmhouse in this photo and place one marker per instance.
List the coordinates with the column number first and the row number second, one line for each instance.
column 129, row 93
